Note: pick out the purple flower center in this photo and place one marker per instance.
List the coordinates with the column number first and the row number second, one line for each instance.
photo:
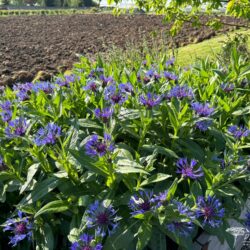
column 20, row 228
column 150, row 103
column 188, row 171
column 208, row 212
column 101, row 147
column 145, row 206
column 86, row 248
column 102, row 219
column 116, row 98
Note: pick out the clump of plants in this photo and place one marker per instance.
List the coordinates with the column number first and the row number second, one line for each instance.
column 114, row 157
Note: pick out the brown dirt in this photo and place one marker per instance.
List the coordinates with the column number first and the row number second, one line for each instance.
column 50, row 43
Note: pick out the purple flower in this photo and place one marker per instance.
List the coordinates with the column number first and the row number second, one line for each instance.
column 3, row 166
column 92, row 86
column 23, row 90
column 68, row 79
column 202, row 109
column 95, row 72
column 151, row 74
column 170, row 62
column 187, row 169
column 170, row 76
column 104, row 114
column 20, row 227
column 115, row 95
column 97, row 147
column 6, row 111
column 86, row 242
column 161, row 199
column 203, row 125
column 47, row 135
column 227, row 87
column 126, row 87
column 16, row 128
column 247, row 220
column 142, row 203
column 150, row 100
column 46, row 87
column 180, row 92
column 210, row 211
column 182, row 228
column 238, row 132
column 102, row 217
column 106, row 80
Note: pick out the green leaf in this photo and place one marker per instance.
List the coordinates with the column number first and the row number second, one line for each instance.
column 172, row 189
column 53, row 207
column 158, row 240
column 144, row 235
column 156, row 178
column 126, row 166
column 160, row 150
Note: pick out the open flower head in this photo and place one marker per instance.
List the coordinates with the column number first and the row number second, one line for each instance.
column 180, row 92
column 20, row 228
column 104, row 114
column 187, row 170
column 203, row 110
column 150, row 100
column 47, row 135
column 102, row 217
column 115, row 95
column 210, row 211
column 239, row 132
column 180, row 227
column 142, row 203
column 96, row 146
column 203, row 125
column 86, row 242
column 16, row 128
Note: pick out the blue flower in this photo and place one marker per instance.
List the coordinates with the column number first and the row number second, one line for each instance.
column 126, row 87
column 21, row 227
column 66, row 82
column 23, row 90
column 47, row 135
column 86, row 242
column 170, row 62
column 104, row 114
column 150, row 100
column 202, row 109
column 187, row 169
column 3, row 166
column 161, row 199
column 151, row 74
column 203, row 125
column 92, row 86
column 227, row 87
column 115, row 95
column 97, row 147
column 142, row 203
column 180, row 92
column 238, row 132
column 46, row 87
column 102, row 217
column 6, row 111
column 180, row 227
column 106, row 80
column 210, row 211
column 247, row 220
column 170, row 76
column 16, row 128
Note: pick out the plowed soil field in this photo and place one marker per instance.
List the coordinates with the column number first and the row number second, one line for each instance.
column 50, row 43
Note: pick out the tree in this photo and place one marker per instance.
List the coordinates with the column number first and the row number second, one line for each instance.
column 181, row 11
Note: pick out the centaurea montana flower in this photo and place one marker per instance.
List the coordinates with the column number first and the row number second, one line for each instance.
column 102, row 217
column 86, row 242
column 46, row 87
column 203, row 110
column 126, row 87
column 210, row 211
column 187, row 170
column 161, row 199
column 203, row 125
column 247, row 220
column 238, row 132
column 150, row 100
column 227, row 87
column 170, row 76
column 21, row 227
column 23, row 90
column 106, row 80
column 170, row 62
column 115, row 95
column 151, row 74
column 182, row 228
column 16, row 128
column 47, row 135
column 92, row 86
column 6, row 111
column 105, row 114
column 97, row 147
column 180, row 92
column 142, row 203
